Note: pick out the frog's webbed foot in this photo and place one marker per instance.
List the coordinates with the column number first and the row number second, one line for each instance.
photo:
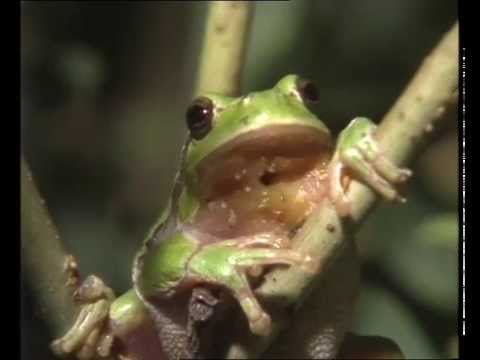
column 89, row 335
column 232, row 265
column 359, row 152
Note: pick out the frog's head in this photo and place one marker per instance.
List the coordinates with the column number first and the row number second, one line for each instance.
column 230, row 134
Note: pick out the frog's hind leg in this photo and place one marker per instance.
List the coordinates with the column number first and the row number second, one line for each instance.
column 228, row 265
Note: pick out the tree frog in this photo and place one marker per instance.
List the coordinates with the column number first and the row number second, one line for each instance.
column 252, row 170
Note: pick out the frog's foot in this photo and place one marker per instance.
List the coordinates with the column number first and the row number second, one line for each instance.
column 231, row 271
column 88, row 336
column 359, row 152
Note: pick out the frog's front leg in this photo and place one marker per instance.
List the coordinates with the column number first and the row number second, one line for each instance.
column 227, row 265
column 88, row 335
column 359, row 151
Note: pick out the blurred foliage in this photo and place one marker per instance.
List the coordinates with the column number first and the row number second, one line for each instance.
column 378, row 310
column 104, row 90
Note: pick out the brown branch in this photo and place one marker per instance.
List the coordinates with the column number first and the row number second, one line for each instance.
column 403, row 129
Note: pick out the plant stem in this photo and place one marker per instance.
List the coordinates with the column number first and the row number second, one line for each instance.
column 401, row 132
column 44, row 258
column 224, row 47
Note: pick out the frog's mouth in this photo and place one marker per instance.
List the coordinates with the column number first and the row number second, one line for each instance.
column 272, row 172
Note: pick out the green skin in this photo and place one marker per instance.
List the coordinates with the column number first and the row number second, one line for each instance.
column 174, row 257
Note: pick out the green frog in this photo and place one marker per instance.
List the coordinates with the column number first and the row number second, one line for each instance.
column 252, row 170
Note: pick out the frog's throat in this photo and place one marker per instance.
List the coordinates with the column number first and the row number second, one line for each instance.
column 263, row 181
column 224, row 169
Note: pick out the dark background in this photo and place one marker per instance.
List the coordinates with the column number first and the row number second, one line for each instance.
column 104, row 89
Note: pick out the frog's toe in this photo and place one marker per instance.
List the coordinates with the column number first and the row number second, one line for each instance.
column 261, row 326
column 383, row 174
column 376, row 170
column 259, row 321
column 84, row 333
column 386, row 168
column 360, row 152
column 87, row 351
column 93, row 288
column 336, row 192
column 98, row 343
column 87, row 337
column 342, row 205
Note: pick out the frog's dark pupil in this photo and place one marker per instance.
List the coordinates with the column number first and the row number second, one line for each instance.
column 199, row 117
column 308, row 90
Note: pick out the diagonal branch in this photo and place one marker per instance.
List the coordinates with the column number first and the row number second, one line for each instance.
column 401, row 132
column 44, row 259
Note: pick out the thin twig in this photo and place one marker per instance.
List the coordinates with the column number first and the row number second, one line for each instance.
column 412, row 117
column 224, row 47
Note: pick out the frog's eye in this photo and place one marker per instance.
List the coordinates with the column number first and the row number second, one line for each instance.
column 199, row 117
column 307, row 90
